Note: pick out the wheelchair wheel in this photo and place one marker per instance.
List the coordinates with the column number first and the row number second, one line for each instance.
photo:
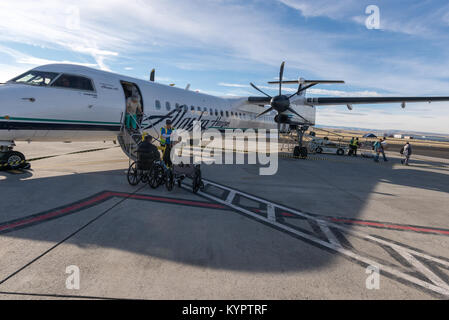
column 156, row 176
column 133, row 175
column 169, row 180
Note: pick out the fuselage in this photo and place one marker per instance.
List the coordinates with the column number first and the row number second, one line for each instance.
column 95, row 112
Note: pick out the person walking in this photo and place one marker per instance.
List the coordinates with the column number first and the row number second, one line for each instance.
column 406, row 151
column 384, row 146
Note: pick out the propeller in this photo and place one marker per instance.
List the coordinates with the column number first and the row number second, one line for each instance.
column 153, row 75
column 281, row 103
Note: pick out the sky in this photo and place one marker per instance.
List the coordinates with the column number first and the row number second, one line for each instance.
column 220, row 46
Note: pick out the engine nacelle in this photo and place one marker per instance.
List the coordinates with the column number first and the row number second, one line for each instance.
column 282, row 118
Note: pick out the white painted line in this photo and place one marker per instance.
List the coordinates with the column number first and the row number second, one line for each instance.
column 437, row 285
column 271, row 213
column 230, row 197
column 329, row 234
column 423, row 269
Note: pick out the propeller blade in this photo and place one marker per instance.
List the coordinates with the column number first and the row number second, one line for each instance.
column 153, row 75
column 293, row 111
column 266, row 111
column 253, row 85
column 281, row 76
column 301, row 89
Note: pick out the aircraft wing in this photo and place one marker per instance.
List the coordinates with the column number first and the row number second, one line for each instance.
column 370, row 100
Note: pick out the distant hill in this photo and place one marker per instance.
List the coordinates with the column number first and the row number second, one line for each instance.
column 380, row 133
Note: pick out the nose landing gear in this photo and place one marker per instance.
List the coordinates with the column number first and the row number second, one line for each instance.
column 10, row 159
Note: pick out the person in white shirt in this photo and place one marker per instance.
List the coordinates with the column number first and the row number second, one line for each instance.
column 133, row 107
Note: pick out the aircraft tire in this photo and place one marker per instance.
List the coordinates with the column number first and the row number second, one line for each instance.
column 15, row 160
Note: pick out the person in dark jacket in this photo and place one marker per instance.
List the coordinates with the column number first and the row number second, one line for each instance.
column 147, row 153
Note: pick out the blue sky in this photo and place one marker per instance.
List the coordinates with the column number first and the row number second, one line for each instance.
column 219, row 46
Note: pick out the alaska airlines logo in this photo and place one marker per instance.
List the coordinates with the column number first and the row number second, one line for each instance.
column 181, row 120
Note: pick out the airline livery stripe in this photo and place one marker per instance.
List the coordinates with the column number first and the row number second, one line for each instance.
column 60, row 121
column 16, row 125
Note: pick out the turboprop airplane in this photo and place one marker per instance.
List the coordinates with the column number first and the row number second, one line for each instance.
column 62, row 102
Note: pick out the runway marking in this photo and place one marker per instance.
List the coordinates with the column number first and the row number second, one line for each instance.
column 420, row 263
column 93, row 201
column 386, row 225
column 270, row 212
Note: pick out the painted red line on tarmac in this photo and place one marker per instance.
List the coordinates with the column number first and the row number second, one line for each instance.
column 288, row 214
column 170, row 200
column 107, row 195
column 380, row 225
column 391, row 226
column 100, row 198
column 52, row 214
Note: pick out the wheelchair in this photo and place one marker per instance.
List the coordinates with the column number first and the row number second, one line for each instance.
column 181, row 171
column 146, row 170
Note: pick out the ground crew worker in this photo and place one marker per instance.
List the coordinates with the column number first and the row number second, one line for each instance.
column 166, row 142
column 351, row 147
column 355, row 146
column 133, row 106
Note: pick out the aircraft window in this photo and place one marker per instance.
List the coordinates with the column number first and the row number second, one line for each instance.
column 227, row 114
column 232, row 114
column 168, row 106
column 211, row 112
column 205, row 110
column 73, row 82
column 192, row 108
column 216, row 112
column 186, row 108
column 177, row 106
column 158, row 105
column 199, row 109
column 36, row 78
column 221, row 113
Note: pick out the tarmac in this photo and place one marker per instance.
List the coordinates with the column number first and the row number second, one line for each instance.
column 315, row 230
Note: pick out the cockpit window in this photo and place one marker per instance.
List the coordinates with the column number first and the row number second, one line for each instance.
column 36, row 78
column 73, row 82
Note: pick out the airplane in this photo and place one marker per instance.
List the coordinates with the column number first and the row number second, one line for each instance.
column 65, row 103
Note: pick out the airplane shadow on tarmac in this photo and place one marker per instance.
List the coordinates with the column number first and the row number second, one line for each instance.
column 211, row 238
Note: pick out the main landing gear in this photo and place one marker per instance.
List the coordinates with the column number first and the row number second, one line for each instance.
column 300, row 151
column 10, row 159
